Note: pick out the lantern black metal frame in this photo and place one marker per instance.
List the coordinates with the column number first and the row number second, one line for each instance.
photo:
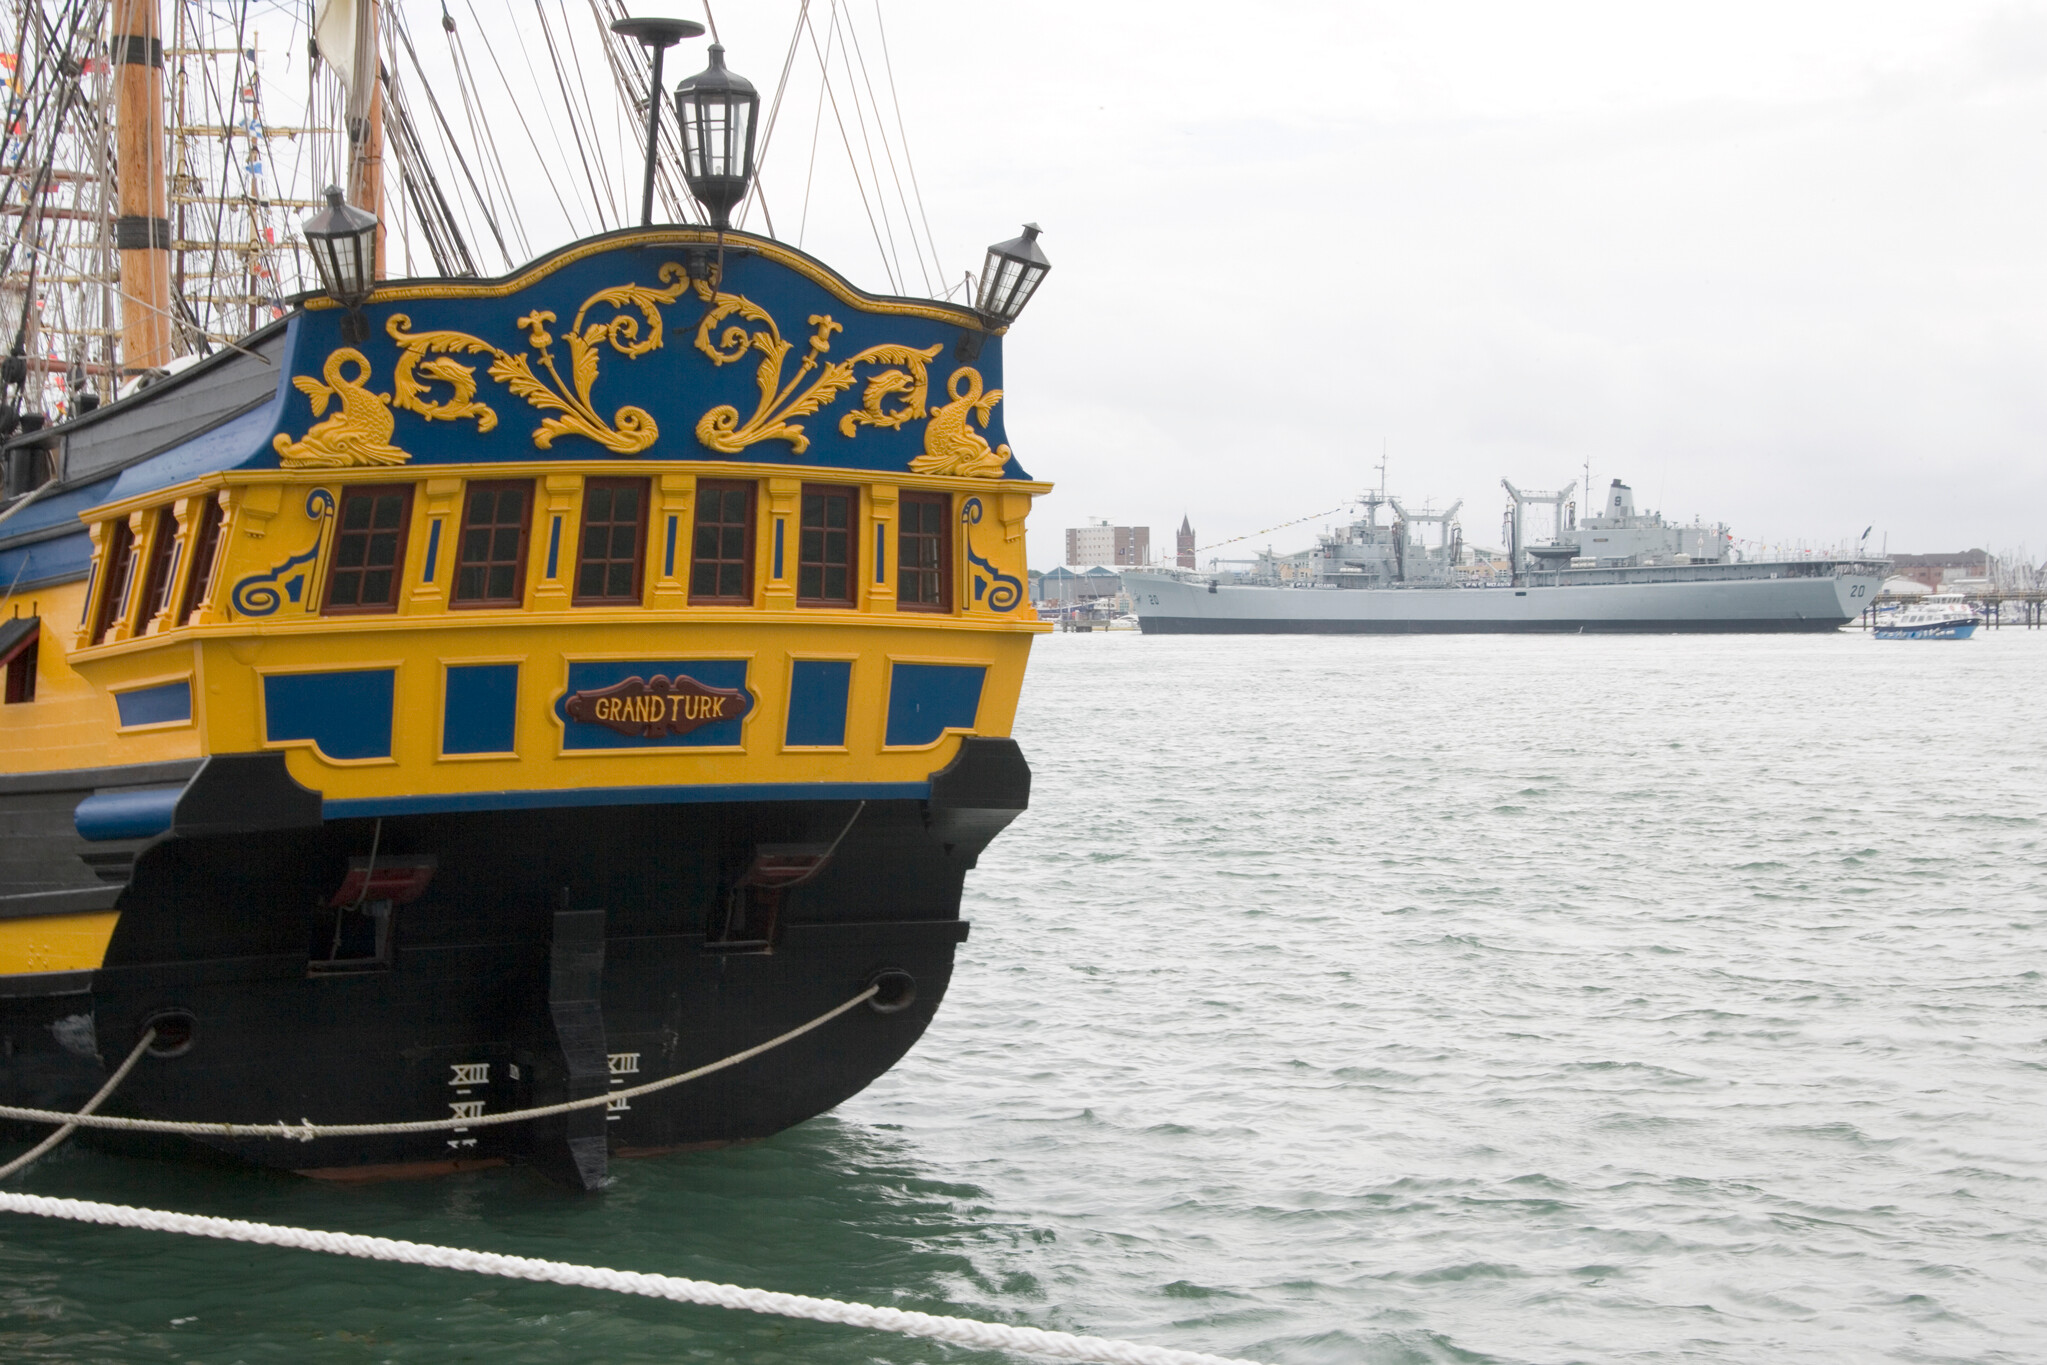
column 1012, row 273
column 343, row 239
column 658, row 35
column 717, row 110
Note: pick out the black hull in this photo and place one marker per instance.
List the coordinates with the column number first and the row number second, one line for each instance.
column 542, row 935
column 1197, row 625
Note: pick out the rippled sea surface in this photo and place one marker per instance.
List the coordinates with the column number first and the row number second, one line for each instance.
column 1649, row 999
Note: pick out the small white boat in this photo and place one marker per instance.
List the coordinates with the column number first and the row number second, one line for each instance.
column 1937, row 616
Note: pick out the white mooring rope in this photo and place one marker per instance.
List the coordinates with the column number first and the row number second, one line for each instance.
column 306, row 1130
column 959, row 1331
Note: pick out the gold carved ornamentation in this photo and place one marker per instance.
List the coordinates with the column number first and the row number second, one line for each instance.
column 951, row 445
column 359, row 434
column 630, row 431
column 905, row 383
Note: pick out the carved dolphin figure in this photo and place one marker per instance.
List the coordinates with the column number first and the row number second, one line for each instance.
column 951, row 445
column 359, row 434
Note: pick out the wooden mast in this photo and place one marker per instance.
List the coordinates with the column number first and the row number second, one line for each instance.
column 366, row 174
column 142, row 232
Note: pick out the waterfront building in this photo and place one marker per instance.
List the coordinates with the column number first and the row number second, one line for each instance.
column 1100, row 543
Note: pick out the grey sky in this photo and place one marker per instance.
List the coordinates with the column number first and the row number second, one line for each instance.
column 1777, row 264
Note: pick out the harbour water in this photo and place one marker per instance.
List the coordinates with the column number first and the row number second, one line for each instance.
column 1475, row 999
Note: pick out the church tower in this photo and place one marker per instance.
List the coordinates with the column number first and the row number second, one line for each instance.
column 1185, row 556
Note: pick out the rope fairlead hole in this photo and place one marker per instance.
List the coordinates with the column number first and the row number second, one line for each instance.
column 895, row 990
column 175, row 1029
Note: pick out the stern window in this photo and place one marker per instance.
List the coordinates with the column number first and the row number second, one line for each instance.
column 205, row 549
column 490, row 566
column 826, row 548
column 924, row 553
column 608, row 553
column 18, row 640
column 721, row 553
column 369, row 549
column 163, row 555
column 119, row 560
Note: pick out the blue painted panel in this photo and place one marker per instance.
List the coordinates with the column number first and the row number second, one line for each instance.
column 356, row 808
column 155, row 705
column 348, row 715
column 65, row 559
column 668, row 560
column 433, row 549
column 480, row 715
column 594, row 677
column 136, row 814
column 779, row 522
column 817, row 701
column 926, row 700
column 668, row 390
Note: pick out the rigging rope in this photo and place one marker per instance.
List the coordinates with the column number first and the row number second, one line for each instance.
column 824, row 70
column 760, row 161
column 995, row 1336
column 1270, row 529
column 847, row 51
column 887, row 151
column 888, row 65
column 307, row 1131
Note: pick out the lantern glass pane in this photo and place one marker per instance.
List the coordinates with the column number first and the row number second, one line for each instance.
column 1025, row 287
column 742, row 116
column 999, row 281
column 718, row 139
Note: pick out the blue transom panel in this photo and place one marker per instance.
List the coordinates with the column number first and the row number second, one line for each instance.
column 622, row 347
column 345, row 714
column 926, row 700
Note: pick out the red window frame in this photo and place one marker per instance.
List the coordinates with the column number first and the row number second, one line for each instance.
column 118, row 562
column 21, row 668
column 403, row 531
column 495, row 489
column 163, row 553
column 205, row 550
column 610, row 560
column 805, row 561
column 910, row 559
column 721, row 531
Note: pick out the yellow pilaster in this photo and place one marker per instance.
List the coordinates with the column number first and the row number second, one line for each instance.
column 878, row 576
column 669, row 525
column 784, row 497
column 440, row 503
column 554, row 537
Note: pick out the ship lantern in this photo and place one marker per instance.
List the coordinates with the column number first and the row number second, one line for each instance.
column 344, row 242
column 1011, row 275
column 716, row 108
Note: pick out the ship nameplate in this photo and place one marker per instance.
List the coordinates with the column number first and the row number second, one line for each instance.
column 643, row 708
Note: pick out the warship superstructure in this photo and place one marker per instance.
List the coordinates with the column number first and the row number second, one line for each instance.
column 1619, row 570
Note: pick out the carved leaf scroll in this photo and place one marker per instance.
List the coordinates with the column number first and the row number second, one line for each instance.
column 782, row 402
column 630, row 429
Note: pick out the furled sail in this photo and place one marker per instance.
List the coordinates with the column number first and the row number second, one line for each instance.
column 347, row 41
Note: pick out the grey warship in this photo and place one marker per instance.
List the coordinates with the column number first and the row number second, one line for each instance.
column 1619, row 571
